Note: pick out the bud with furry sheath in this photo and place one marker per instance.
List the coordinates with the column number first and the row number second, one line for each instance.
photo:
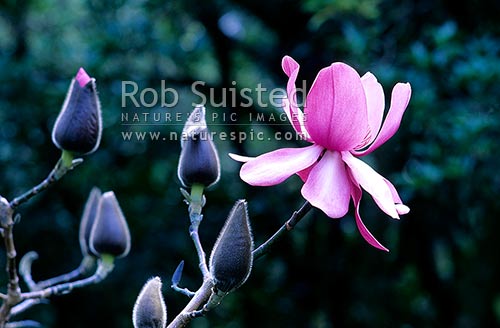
column 231, row 259
column 150, row 310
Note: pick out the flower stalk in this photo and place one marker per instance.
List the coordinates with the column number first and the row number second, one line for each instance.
column 59, row 170
column 287, row 226
column 104, row 267
column 88, row 262
column 196, row 201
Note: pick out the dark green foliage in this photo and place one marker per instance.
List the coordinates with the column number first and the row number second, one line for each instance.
column 443, row 266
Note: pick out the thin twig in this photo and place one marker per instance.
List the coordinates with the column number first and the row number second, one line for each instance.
column 38, row 295
column 193, row 232
column 25, row 268
column 287, row 226
column 183, row 291
column 195, row 307
column 198, row 300
column 24, row 323
column 103, row 269
column 13, row 290
column 25, row 305
column 87, row 263
column 57, row 172
column 196, row 201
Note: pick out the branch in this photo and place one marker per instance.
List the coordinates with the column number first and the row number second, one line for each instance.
column 25, row 268
column 25, row 305
column 287, row 226
column 57, row 173
column 198, row 304
column 199, row 299
column 24, row 323
column 104, row 267
column 193, row 232
column 87, row 263
column 13, row 290
column 196, row 201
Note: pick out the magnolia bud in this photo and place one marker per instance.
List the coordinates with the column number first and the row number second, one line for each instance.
column 88, row 219
column 149, row 309
column 199, row 162
column 110, row 233
column 231, row 259
column 78, row 127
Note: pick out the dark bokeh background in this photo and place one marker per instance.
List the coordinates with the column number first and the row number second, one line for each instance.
column 444, row 262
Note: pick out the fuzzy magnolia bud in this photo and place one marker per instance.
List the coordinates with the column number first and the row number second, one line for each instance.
column 199, row 162
column 149, row 309
column 88, row 219
column 79, row 125
column 231, row 259
column 110, row 233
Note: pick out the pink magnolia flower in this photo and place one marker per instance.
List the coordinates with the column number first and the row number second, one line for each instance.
column 342, row 118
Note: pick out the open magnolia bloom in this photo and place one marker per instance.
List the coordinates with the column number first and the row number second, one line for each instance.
column 342, row 118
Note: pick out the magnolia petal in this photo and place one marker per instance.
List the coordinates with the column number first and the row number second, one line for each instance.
column 400, row 207
column 291, row 69
column 400, row 97
column 304, row 174
column 297, row 119
column 302, row 121
column 82, row 77
column 394, row 192
column 356, row 194
column 372, row 182
column 240, row 158
column 375, row 103
column 275, row 167
column 328, row 186
column 336, row 114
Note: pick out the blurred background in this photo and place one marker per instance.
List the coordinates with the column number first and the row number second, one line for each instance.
column 443, row 265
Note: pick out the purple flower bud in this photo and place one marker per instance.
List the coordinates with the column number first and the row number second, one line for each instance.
column 150, row 310
column 110, row 233
column 79, row 125
column 88, row 219
column 231, row 258
column 199, row 162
